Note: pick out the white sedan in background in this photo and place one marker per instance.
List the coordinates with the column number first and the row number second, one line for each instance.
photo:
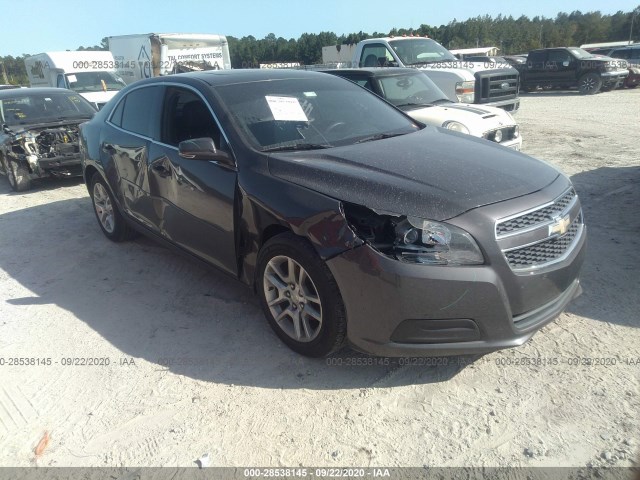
column 415, row 93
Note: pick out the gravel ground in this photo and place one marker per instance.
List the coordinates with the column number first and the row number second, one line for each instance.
column 194, row 368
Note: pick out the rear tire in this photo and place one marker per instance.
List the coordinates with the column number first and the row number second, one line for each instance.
column 111, row 221
column 300, row 297
column 589, row 84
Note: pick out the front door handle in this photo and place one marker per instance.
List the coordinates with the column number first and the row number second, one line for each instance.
column 162, row 170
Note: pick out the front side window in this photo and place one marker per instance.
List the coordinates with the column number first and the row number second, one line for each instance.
column 416, row 51
column 186, row 116
column 375, row 55
column 559, row 56
column 624, row 54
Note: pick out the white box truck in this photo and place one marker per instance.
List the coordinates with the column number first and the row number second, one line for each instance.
column 154, row 54
column 91, row 74
column 464, row 81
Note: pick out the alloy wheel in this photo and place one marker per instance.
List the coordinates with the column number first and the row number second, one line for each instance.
column 292, row 299
column 104, row 207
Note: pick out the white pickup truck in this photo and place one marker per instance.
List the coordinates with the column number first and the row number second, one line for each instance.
column 464, row 81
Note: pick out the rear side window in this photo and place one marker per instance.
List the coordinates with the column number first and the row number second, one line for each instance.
column 138, row 115
column 116, row 116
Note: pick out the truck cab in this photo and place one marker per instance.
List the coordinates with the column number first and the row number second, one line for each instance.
column 90, row 74
column 462, row 81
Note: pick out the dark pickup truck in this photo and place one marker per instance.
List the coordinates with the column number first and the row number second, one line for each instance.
column 571, row 67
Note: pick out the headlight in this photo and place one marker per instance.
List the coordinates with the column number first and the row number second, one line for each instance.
column 497, row 137
column 465, row 91
column 455, row 126
column 516, row 131
column 435, row 243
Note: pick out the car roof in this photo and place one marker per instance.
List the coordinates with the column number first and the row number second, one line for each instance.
column 234, row 76
column 25, row 92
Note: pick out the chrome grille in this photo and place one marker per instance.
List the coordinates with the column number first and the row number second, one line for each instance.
column 537, row 217
column 544, row 252
column 495, row 85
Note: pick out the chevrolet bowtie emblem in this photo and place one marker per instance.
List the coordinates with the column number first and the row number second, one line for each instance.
column 560, row 226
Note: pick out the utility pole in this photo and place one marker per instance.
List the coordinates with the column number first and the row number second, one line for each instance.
column 634, row 14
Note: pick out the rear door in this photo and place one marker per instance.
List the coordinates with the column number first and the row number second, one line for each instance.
column 135, row 122
column 536, row 68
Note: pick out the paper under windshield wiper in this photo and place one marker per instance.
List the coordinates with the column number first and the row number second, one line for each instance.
column 379, row 136
column 297, row 146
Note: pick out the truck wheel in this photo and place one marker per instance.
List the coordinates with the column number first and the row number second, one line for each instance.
column 300, row 297
column 589, row 84
column 17, row 175
column 110, row 219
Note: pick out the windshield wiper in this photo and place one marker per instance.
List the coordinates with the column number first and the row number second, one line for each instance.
column 443, row 100
column 413, row 104
column 75, row 117
column 297, row 146
column 379, row 136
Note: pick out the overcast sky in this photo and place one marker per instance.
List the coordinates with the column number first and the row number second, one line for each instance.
column 34, row 26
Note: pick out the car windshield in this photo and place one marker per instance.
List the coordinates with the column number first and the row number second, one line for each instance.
column 310, row 113
column 85, row 82
column 410, row 89
column 415, row 51
column 43, row 108
column 580, row 53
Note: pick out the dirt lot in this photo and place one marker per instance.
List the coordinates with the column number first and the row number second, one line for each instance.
column 194, row 367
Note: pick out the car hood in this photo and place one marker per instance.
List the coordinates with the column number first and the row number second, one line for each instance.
column 17, row 130
column 434, row 173
column 478, row 119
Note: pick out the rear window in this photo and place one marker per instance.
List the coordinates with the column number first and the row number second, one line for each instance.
column 138, row 111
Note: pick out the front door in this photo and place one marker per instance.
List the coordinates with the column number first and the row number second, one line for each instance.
column 197, row 195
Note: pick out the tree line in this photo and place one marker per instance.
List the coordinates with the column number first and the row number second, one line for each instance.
column 511, row 35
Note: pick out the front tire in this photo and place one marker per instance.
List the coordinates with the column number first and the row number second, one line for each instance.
column 17, row 175
column 300, row 297
column 111, row 222
column 589, row 84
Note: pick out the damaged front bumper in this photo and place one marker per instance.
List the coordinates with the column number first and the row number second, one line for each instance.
column 398, row 309
column 47, row 151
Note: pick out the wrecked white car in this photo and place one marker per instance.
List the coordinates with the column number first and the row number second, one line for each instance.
column 39, row 136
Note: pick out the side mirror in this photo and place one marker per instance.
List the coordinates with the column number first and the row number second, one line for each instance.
column 203, row 149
